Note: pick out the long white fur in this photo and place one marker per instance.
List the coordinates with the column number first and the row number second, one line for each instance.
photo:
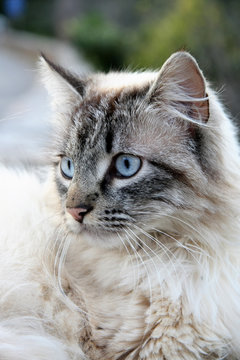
column 201, row 283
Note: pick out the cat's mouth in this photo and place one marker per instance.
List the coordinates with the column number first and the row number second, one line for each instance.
column 88, row 228
column 76, row 226
column 94, row 235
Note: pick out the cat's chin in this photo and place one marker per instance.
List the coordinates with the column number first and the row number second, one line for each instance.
column 74, row 226
column 101, row 239
column 94, row 235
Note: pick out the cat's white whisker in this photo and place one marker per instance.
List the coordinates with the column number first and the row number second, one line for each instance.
column 135, row 277
column 197, row 245
column 15, row 115
column 62, row 258
column 154, row 255
column 132, row 236
column 170, row 255
column 181, row 245
column 135, row 268
column 203, row 251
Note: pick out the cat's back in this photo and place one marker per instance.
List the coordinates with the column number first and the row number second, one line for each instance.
column 21, row 195
column 18, row 184
column 23, row 225
column 26, row 224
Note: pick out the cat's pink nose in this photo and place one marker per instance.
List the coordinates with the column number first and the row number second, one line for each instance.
column 79, row 213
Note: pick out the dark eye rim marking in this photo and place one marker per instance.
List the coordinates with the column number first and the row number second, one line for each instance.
column 62, row 189
column 174, row 173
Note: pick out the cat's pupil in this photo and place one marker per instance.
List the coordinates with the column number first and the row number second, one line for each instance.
column 127, row 163
column 69, row 164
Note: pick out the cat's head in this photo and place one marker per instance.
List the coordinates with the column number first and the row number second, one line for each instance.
column 132, row 149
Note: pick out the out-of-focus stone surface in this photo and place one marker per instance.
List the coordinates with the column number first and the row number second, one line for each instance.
column 24, row 104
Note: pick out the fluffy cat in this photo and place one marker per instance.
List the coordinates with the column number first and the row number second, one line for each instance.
column 129, row 248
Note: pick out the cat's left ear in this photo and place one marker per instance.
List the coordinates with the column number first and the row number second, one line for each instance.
column 64, row 88
column 181, row 88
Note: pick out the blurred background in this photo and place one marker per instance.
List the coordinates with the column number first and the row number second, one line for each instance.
column 104, row 35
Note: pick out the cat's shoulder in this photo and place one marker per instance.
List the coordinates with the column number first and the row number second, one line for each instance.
column 21, row 195
column 19, row 182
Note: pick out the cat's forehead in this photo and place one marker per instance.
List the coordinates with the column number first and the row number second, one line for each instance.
column 113, row 93
column 122, row 81
column 119, row 122
column 103, row 108
column 108, row 98
column 104, row 118
column 116, row 115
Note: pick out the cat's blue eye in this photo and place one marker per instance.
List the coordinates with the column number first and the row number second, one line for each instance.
column 127, row 165
column 67, row 167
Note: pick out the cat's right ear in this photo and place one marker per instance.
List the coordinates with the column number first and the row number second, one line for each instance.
column 181, row 89
column 64, row 88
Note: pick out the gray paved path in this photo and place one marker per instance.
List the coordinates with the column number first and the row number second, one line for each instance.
column 24, row 109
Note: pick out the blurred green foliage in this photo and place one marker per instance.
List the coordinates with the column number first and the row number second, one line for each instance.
column 209, row 29
column 143, row 34
column 199, row 26
column 102, row 42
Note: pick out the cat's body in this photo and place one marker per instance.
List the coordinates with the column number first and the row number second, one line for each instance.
column 150, row 269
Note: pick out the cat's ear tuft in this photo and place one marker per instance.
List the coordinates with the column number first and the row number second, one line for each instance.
column 64, row 87
column 181, row 85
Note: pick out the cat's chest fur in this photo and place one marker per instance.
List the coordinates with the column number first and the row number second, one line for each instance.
column 131, row 314
column 122, row 307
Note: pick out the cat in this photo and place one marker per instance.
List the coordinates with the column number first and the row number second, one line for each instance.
column 129, row 247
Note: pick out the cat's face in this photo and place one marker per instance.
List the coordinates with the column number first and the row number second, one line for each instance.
column 125, row 165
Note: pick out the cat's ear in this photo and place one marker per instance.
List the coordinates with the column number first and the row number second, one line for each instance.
column 64, row 88
column 181, row 87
